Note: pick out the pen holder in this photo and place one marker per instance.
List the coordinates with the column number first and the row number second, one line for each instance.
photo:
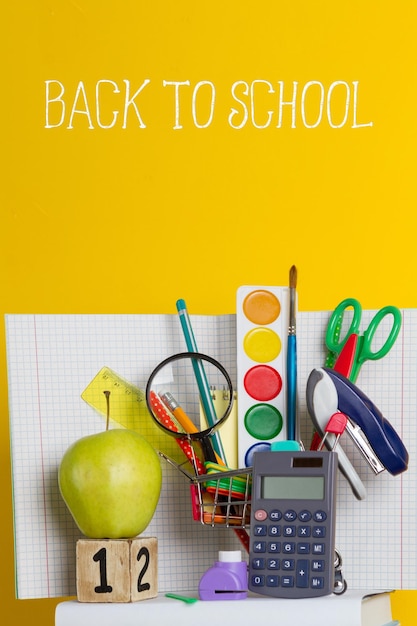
column 220, row 497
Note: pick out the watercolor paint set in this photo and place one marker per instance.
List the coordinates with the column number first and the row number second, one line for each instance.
column 262, row 332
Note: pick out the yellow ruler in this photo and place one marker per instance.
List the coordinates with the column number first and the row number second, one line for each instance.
column 128, row 408
column 228, row 430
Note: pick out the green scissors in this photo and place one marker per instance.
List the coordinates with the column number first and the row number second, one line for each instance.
column 354, row 349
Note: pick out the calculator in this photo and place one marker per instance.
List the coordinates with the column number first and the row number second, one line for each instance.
column 292, row 528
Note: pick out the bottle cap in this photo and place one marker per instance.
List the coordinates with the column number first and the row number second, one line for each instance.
column 230, row 556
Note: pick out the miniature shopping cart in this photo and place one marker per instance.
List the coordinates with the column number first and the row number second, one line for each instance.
column 220, row 497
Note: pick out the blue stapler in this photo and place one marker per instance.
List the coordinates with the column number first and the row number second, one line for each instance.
column 329, row 391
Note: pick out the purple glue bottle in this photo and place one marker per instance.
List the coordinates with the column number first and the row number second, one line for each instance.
column 227, row 579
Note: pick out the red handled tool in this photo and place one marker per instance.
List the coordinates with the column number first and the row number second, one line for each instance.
column 337, row 426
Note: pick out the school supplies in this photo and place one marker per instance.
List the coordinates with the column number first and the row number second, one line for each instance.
column 368, row 419
column 227, row 579
column 200, row 374
column 322, row 403
column 292, row 433
column 293, row 524
column 235, row 485
column 229, row 428
column 51, row 359
column 128, row 408
column 229, row 501
column 354, row 348
column 176, row 371
column 262, row 331
column 184, row 443
column 327, row 393
column 336, row 425
column 186, row 599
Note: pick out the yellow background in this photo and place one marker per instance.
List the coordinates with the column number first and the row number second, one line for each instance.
column 128, row 220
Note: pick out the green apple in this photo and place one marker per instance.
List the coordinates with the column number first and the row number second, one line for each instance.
column 111, row 483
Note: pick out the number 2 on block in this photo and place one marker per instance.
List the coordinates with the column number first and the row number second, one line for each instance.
column 143, row 552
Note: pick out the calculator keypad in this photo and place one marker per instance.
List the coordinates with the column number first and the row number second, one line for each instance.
column 289, row 552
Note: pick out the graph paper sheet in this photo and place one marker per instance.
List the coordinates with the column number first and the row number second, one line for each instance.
column 53, row 358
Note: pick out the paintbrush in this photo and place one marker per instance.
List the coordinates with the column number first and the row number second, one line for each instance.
column 292, row 361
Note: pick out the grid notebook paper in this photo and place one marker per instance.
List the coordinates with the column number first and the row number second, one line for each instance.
column 53, row 358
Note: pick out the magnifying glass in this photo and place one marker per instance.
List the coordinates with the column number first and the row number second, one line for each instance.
column 174, row 399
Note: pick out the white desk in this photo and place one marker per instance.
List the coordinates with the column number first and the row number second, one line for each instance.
column 348, row 609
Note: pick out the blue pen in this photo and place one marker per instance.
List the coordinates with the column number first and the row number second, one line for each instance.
column 292, row 362
column 203, row 386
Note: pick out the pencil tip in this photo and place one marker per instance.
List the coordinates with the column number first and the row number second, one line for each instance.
column 293, row 277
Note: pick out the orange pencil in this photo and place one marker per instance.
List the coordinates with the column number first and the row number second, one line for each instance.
column 188, row 425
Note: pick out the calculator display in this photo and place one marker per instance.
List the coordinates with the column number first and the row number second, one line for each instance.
column 292, row 487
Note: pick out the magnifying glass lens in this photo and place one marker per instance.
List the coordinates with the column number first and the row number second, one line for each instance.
column 181, row 395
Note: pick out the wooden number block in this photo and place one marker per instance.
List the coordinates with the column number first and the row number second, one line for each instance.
column 117, row 570
column 103, row 570
column 143, row 568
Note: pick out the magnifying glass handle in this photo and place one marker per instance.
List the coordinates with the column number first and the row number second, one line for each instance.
column 208, row 451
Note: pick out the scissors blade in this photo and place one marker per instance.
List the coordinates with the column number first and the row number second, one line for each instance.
column 344, row 362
